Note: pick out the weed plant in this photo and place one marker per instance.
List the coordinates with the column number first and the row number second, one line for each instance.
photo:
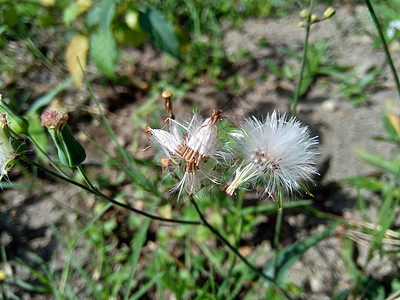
column 189, row 242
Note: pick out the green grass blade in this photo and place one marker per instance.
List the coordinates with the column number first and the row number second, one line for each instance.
column 146, row 287
column 65, row 275
column 289, row 255
column 390, row 166
column 137, row 247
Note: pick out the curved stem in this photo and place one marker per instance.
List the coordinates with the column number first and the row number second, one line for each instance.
column 53, row 164
column 385, row 47
column 225, row 241
column 101, row 195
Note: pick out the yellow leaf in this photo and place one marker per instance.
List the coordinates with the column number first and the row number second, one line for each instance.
column 47, row 3
column 76, row 53
column 2, row 275
column 85, row 4
column 394, row 120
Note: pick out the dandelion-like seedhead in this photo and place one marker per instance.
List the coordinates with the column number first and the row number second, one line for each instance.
column 189, row 147
column 277, row 152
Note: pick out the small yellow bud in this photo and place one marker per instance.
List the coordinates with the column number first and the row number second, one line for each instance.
column 313, row 18
column 301, row 24
column 304, row 13
column 329, row 12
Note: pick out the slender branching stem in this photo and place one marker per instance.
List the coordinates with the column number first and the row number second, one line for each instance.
column 225, row 241
column 53, row 164
column 384, row 44
column 295, row 99
column 101, row 195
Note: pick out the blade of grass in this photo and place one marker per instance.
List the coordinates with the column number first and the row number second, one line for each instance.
column 65, row 275
column 137, row 247
column 146, row 287
column 384, row 44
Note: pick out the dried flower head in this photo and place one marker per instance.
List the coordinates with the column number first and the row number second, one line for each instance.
column 188, row 150
column 277, row 152
column 53, row 120
column 70, row 152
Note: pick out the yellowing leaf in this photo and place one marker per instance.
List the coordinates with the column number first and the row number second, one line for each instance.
column 76, row 53
column 47, row 3
column 2, row 275
column 394, row 120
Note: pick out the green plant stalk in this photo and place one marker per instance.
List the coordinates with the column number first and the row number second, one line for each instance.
column 295, row 99
column 384, row 44
column 53, row 164
column 278, row 225
column 225, row 241
column 120, row 164
column 101, row 195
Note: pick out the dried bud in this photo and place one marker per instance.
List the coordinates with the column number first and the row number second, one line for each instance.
column 70, row 151
column 53, row 120
column 168, row 104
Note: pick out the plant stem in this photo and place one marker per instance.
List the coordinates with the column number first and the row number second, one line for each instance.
column 225, row 241
column 101, row 195
column 278, row 224
column 384, row 44
column 295, row 99
column 53, row 164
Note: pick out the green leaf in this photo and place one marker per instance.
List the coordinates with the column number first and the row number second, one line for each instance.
column 37, row 133
column 10, row 16
column 102, row 14
column 71, row 12
column 160, row 31
column 369, row 183
column 103, row 50
column 289, row 255
column 390, row 166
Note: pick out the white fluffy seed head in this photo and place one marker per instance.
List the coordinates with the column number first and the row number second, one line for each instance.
column 280, row 150
column 168, row 141
column 191, row 151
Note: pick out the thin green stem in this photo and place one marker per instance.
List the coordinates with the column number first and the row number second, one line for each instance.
column 225, row 241
column 278, row 224
column 101, row 195
column 53, row 164
column 295, row 99
column 384, row 44
column 88, row 182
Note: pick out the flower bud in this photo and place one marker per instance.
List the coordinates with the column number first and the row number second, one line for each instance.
column 10, row 147
column 301, row 24
column 304, row 13
column 329, row 12
column 313, row 18
column 16, row 123
column 70, row 151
